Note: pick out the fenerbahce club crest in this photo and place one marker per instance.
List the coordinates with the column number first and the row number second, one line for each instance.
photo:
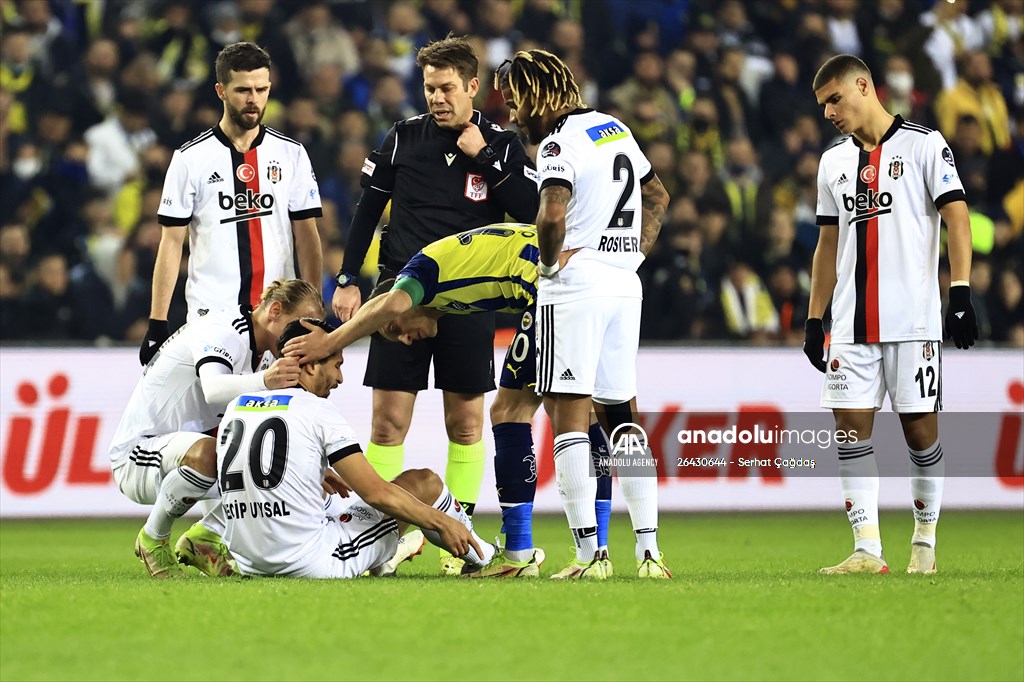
column 274, row 172
column 476, row 187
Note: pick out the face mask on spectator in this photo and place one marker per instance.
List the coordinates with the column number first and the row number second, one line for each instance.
column 26, row 169
column 900, row 82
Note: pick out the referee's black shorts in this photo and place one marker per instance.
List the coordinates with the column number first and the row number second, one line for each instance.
column 462, row 351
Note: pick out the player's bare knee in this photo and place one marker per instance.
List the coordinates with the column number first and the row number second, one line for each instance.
column 514, row 406
column 388, row 429
column 920, row 430
column 423, row 484
column 464, row 429
column 202, row 457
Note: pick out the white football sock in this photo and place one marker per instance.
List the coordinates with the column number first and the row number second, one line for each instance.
column 858, row 477
column 450, row 506
column 641, row 495
column 927, row 476
column 179, row 491
column 577, row 486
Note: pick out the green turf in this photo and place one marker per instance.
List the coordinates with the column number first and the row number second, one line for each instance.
column 745, row 603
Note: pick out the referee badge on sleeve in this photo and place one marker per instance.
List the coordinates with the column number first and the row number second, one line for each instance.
column 476, row 187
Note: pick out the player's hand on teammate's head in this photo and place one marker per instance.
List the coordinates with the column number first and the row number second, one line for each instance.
column 284, row 373
column 346, row 302
column 961, row 320
column 308, row 347
column 814, row 343
column 334, row 483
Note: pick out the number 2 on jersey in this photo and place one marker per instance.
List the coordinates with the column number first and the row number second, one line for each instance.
column 622, row 218
column 233, row 481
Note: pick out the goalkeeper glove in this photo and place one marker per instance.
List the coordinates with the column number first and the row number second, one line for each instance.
column 814, row 343
column 961, row 322
column 155, row 336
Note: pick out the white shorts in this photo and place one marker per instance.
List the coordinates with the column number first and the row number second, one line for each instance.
column 140, row 474
column 860, row 374
column 362, row 538
column 589, row 347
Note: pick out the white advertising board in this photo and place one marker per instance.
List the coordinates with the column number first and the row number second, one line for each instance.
column 59, row 409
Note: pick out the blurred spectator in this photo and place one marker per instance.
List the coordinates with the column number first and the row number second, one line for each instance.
column 15, row 249
column 387, row 105
column 496, row 22
column 263, row 24
column 115, row 144
column 404, row 34
column 975, row 94
column 892, row 28
column 443, row 16
column 779, row 246
column 675, row 295
column 784, row 96
column 741, row 179
column 680, row 74
column 173, row 122
column 317, row 39
column 662, row 156
column 303, row 124
column 52, row 50
column 736, row 116
column 898, row 94
column 953, row 33
column 971, row 164
column 1005, row 165
column 1007, row 305
column 47, row 309
column 537, row 18
column 10, row 305
column 747, row 306
column 1001, row 25
column 842, row 27
column 981, row 293
column 19, row 76
column 375, row 62
column 182, row 51
column 701, row 134
column 93, row 86
column 353, row 126
column 108, row 287
column 698, row 182
column 327, row 90
column 791, row 302
column 647, row 106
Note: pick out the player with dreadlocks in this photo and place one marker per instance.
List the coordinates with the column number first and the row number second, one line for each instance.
column 601, row 205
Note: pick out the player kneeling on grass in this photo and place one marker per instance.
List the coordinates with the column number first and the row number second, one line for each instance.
column 273, row 450
column 162, row 454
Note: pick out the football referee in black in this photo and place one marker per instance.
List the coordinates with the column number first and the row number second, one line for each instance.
column 444, row 172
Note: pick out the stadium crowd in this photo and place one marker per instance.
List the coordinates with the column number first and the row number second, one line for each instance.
column 95, row 96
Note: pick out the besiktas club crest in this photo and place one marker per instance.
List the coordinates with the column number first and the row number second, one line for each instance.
column 896, row 168
column 274, row 172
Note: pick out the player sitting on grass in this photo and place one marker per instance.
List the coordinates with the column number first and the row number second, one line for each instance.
column 272, row 452
column 162, row 454
column 489, row 268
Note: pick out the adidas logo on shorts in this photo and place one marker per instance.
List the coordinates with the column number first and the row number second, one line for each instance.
column 214, row 178
column 567, row 376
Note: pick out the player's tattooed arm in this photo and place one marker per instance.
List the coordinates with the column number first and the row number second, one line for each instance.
column 654, row 200
column 554, row 201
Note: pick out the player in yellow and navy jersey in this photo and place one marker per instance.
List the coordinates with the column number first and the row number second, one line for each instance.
column 491, row 268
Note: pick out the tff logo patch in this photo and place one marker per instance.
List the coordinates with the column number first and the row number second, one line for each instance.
column 550, row 149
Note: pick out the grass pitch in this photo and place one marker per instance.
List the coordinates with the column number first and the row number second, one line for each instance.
column 745, row 603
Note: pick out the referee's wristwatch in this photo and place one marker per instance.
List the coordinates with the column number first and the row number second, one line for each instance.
column 486, row 156
column 344, row 279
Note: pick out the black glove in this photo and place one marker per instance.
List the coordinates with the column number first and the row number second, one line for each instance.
column 155, row 336
column 814, row 343
column 961, row 322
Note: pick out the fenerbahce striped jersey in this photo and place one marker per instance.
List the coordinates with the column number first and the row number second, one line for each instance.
column 240, row 207
column 489, row 268
column 886, row 203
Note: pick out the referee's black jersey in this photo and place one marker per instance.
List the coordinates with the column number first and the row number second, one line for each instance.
column 438, row 190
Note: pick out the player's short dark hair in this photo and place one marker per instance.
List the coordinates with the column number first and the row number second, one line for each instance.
column 240, row 57
column 839, row 67
column 383, row 287
column 453, row 52
column 295, row 329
